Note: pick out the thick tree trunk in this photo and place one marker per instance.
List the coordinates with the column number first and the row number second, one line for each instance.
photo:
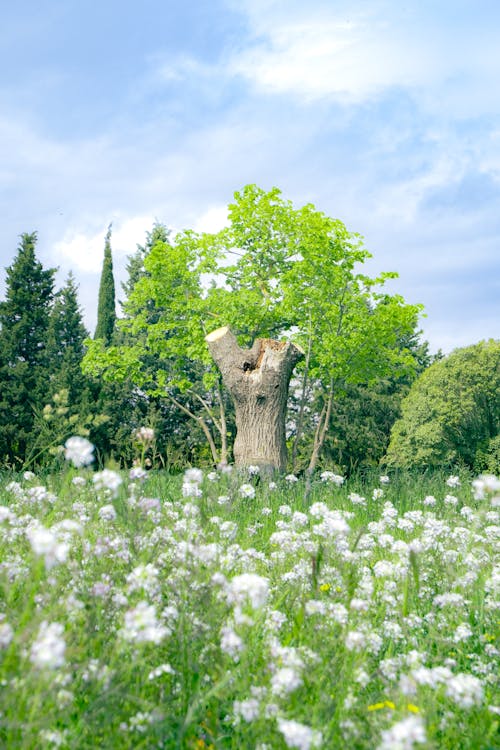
column 257, row 380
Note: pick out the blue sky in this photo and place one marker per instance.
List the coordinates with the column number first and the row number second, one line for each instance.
column 383, row 114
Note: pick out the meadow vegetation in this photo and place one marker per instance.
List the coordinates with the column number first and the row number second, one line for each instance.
column 220, row 610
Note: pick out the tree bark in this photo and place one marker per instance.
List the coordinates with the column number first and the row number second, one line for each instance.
column 257, row 380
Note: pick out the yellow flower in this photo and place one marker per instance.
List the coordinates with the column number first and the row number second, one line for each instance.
column 376, row 706
column 414, row 709
column 390, row 704
column 325, row 587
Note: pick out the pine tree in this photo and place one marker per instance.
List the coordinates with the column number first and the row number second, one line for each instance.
column 65, row 347
column 106, row 311
column 24, row 367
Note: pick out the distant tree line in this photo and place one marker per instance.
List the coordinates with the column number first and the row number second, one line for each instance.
column 274, row 271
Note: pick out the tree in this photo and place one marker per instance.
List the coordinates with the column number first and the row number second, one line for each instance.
column 24, row 367
column 452, row 412
column 65, row 344
column 106, row 310
column 274, row 272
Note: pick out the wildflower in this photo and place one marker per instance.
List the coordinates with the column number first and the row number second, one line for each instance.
column 141, row 625
column 453, row 481
column 247, row 490
column 107, row 480
column 28, row 476
column 194, row 476
column 78, row 481
column 462, row 633
column 285, row 681
column 404, row 735
column 79, row 451
column 145, row 434
column 329, row 476
column 47, row 652
column 384, row 479
column 6, row 633
column 272, row 486
column 137, row 472
column 161, row 670
column 212, row 476
column 298, row 735
column 248, row 587
column 191, row 489
column 356, row 499
column 107, row 513
column 377, row 493
column 231, row 643
column 45, row 543
column 465, row 689
column 253, row 471
column 291, row 478
column 484, row 485
column 247, row 710
column 429, row 500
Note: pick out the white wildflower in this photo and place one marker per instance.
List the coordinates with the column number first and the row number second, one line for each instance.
column 142, row 626
column 298, row 735
column 248, row 587
column 453, row 481
column 193, row 476
column 45, row 543
column 107, row 513
column 253, row 470
column 79, row 451
column 247, row 710
column 404, row 735
column 6, row 634
column 465, row 690
column 384, row 479
column 107, row 480
column 285, row 681
column 329, row 476
column 377, row 493
column 47, row 651
column 247, row 490
column 291, row 478
column 145, row 434
column 231, row 643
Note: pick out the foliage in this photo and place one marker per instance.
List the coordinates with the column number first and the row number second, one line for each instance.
column 274, row 271
column 24, row 322
column 452, row 411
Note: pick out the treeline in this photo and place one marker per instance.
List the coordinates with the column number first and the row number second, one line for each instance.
column 294, row 273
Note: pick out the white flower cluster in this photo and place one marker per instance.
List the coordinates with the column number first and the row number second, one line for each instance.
column 47, row 651
column 107, row 480
column 142, row 625
column 404, row 735
column 79, row 451
column 298, row 735
column 329, row 476
column 191, row 484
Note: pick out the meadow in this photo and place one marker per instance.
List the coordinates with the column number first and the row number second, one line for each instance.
column 221, row 610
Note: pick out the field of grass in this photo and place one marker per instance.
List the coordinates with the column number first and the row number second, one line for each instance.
column 218, row 611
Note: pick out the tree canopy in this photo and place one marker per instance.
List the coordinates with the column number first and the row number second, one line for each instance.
column 451, row 414
column 274, row 271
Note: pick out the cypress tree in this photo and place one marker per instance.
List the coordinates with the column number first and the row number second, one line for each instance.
column 24, row 366
column 106, row 310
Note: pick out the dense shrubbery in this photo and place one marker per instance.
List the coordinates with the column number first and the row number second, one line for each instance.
column 229, row 613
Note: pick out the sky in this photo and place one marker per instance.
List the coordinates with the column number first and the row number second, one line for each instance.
column 384, row 114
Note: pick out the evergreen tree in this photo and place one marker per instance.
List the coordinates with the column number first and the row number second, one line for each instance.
column 24, row 322
column 106, row 311
column 65, row 347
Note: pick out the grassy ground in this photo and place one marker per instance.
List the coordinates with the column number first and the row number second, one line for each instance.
column 228, row 614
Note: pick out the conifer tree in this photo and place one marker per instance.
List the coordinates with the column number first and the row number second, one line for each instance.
column 65, row 347
column 24, row 321
column 106, row 311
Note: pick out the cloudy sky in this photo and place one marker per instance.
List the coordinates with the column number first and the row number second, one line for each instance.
column 383, row 113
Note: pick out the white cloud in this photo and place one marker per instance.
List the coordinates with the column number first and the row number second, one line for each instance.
column 83, row 250
column 212, row 220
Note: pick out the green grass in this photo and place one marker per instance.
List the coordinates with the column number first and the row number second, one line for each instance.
column 349, row 638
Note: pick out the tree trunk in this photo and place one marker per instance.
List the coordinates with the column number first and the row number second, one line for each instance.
column 257, row 380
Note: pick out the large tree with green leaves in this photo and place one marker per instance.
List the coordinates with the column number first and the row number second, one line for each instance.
column 275, row 271
column 451, row 414
column 106, row 309
column 24, row 366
